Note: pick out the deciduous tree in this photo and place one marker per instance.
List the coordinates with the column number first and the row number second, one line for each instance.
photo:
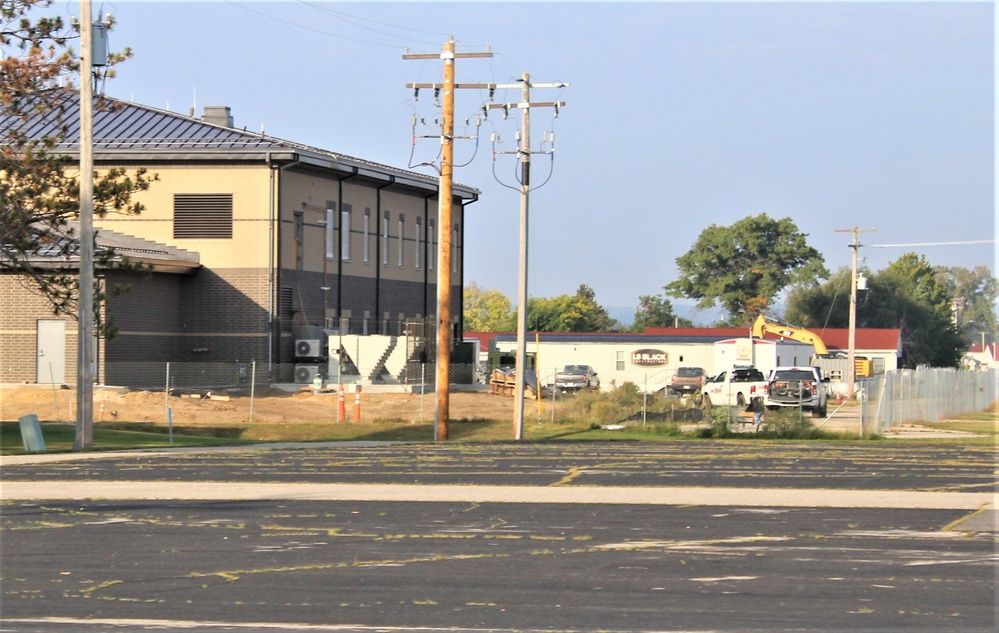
column 974, row 293
column 744, row 266
column 908, row 295
column 487, row 310
column 569, row 313
column 656, row 311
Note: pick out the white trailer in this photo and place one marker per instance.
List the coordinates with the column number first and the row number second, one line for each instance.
column 762, row 354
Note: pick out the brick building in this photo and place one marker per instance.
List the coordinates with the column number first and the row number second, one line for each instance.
column 260, row 245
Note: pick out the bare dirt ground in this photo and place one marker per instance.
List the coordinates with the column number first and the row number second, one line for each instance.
column 273, row 406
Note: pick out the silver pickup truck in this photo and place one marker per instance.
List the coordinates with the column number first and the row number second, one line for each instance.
column 575, row 377
column 796, row 387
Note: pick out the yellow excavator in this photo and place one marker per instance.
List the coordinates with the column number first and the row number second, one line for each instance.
column 763, row 326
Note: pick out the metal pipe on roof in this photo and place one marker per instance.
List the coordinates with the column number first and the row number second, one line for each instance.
column 339, row 261
column 378, row 268
column 273, row 250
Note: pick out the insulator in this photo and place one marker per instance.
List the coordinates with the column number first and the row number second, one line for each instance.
column 416, row 94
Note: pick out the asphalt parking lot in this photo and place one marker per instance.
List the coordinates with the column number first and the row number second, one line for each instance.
column 677, row 536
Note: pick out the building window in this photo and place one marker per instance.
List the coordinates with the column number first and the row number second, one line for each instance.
column 385, row 239
column 330, row 243
column 419, row 240
column 202, row 215
column 402, row 233
column 432, row 241
column 454, row 249
column 619, row 363
column 367, row 235
column 345, row 232
column 299, row 239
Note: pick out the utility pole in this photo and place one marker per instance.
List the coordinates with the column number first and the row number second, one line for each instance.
column 524, row 154
column 85, row 324
column 444, row 227
column 851, row 366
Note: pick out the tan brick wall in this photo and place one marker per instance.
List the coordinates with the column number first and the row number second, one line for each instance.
column 20, row 311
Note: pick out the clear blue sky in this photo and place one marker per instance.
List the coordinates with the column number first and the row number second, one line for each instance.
column 679, row 116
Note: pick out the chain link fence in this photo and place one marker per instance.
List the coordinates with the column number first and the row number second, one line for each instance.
column 924, row 394
column 235, row 376
column 896, row 397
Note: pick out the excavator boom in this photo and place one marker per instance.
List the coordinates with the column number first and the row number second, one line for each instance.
column 763, row 326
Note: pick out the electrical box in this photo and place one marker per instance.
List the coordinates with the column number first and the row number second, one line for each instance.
column 99, row 44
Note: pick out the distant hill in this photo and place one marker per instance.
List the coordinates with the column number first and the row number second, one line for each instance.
column 701, row 318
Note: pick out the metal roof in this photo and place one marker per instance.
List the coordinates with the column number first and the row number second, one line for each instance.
column 130, row 131
column 162, row 257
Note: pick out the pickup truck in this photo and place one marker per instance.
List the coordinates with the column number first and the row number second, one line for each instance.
column 735, row 388
column 687, row 380
column 575, row 377
column 796, row 387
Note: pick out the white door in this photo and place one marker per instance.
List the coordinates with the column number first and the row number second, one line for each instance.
column 51, row 345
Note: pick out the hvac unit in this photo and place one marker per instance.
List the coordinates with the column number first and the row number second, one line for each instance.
column 305, row 373
column 308, row 348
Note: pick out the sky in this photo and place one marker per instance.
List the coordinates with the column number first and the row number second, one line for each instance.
column 678, row 116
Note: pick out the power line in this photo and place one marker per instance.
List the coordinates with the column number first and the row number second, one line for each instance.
column 344, row 16
column 309, row 28
column 349, row 19
column 931, row 244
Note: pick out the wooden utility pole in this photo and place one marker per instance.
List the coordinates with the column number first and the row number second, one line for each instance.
column 85, row 323
column 524, row 154
column 444, row 227
column 851, row 363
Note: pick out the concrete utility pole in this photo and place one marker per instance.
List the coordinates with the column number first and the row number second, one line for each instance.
column 444, row 224
column 851, row 364
column 524, row 153
column 85, row 325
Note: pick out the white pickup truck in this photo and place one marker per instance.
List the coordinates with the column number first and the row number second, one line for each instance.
column 734, row 388
column 797, row 387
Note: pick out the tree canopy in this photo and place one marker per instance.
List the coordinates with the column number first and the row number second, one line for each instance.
column 487, row 310
column 656, row 311
column 745, row 266
column 569, row 313
column 492, row 311
column 909, row 295
column 974, row 294
column 39, row 184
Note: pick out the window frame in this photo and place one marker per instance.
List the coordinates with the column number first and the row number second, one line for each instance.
column 345, row 220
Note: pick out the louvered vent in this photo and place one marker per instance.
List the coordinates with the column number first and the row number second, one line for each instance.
column 202, row 215
column 286, row 308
